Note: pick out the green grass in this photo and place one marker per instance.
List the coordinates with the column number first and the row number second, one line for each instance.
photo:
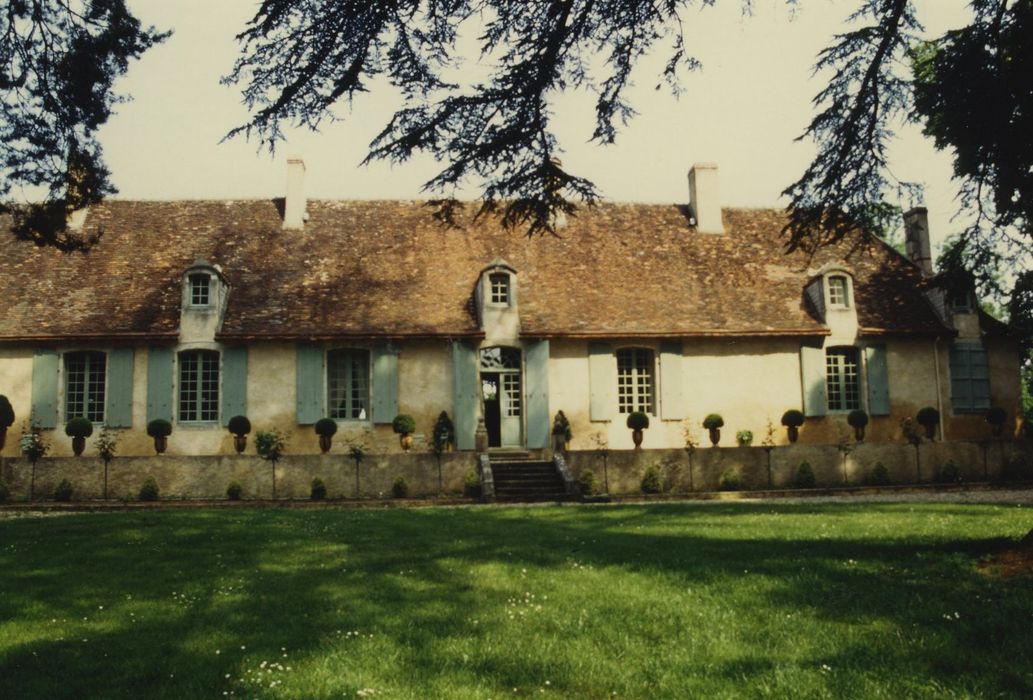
column 686, row 600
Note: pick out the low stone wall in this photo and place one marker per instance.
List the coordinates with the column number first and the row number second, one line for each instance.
column 208, row 476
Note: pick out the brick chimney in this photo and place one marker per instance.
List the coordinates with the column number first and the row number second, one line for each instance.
column 294, row 214
column 916, row 239
column 704, row 198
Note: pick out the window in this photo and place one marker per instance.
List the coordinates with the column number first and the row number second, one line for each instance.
column 347, row 381
column 970, row 378
column 961, row 302
column 84, row 385
column 199, row 386
column 842, row 379
column 499, row 288
column 635, row 380
column 838, row 292
column 200, row 290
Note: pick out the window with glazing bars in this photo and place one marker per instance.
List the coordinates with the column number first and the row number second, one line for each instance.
column 347, row 382
column 200, row 290
column 838, row 291
column 635, row 380
column 499, row 282
column 842, row 379
column 84, row 385
column 199, row 386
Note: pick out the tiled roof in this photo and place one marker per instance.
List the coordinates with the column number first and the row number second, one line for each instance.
column 379, row 268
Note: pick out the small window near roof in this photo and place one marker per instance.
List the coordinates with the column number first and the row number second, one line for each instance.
column 499, row 293
column 838, row 294
column 962, row 302
column 200, row 290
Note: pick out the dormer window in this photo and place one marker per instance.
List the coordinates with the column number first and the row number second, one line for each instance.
column 498, row 288
column 200, row 290
column 962, row 302
column 839, row 291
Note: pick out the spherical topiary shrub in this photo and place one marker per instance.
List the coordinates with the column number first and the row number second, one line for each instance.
column 404, row 424
column 149, row 491
column 159, row 427
column 400, row 489
column 713, row 421
column 78, row 427
column 804, row 476
column 326, row 427
column 6, row 413
column 792, row 418
column 318, row 489
column 637, row 421
column 857, row 418
column 63, row 491
column 234, row 491
column 651, row 481
column 239, row 425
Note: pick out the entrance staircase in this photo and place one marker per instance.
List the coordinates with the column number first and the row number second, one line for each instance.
column 519, row 478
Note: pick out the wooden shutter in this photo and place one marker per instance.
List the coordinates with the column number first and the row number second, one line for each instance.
column 538, row 422
column 878, row 380
column 309, row 373
column 44, row 388
column 119, row 409
column 159, row 384
column 467, row 394
column 234, row 383
column 812, row 373
column 385, row 384
column 602, row 381
column 671, row 403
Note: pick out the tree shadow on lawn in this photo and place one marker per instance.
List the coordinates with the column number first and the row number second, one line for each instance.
column 268, row 580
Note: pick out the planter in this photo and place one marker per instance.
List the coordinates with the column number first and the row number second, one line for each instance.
column 859, row 434
column 405, row 440
column 997, row 430
column 239, row 443
column 3, row 437
column 558, row 443
column 325, row 443
column 160, row 443
column 930, row 431
column 715, row 436
column 636, row 437
column 78, row 445
column 793, row 432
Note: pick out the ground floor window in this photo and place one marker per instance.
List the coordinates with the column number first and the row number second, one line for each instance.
column 347, row 378
column 84, row 385
column 199, row 386
column 970, row 378
column 635, row 380
column 842, row 379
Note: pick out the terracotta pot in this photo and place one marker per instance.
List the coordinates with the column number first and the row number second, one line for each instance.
column 715, row 436
column 405, row 440
column 3, row 437
column 239, row 443
column 558, row 443
column 859, row 434
column 160, row 443
column 930, row 430
column 325, row 443
column 997, row 433
column 794, row 433
column 78, row 445
column 636, row 437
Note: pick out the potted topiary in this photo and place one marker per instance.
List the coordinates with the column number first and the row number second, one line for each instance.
column 240, row 426
column 405, row 426
column 561, row 434
column 857, row 419
column 928, row 418
column 637, row 422
column 78, row 428
column 792, row 420
column 713, row 423
column 159, row 429
column 326, row 428
column 995, row 416
column 6, row 419
column 444, row 434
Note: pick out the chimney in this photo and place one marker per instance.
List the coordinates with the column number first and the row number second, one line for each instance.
column 704, row 199
column 294, row 214
column 916, row 239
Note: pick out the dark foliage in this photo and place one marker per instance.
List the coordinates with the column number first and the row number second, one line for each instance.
column 804, row 476
column 6, row 412
column 159, row 427
column 63, row 491
column 326, row 427
column 239, row 425
column 318, row 492
column 78, row 427
column 234, row 491
column 149, row 491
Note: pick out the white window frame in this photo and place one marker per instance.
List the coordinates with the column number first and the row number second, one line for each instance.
column 501, row 295
column 198, row 387
column 66, row 377
column 191, row 290
column 365, row 412
column 840, row 385
column 633, row 383
column 848, row 290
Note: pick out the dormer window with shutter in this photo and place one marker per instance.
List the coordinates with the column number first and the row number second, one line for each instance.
column 200, row 294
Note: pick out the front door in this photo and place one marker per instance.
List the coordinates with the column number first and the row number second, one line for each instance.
column 501, row 390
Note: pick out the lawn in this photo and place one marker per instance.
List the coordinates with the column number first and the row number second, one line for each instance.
column 671, row 600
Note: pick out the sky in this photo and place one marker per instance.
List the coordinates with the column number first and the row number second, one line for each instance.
column 742, row 111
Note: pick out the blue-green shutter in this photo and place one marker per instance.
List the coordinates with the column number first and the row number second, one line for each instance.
column 159, row 384
column 672, row 405
column 234, row 383
column 310, row 384
column 980, row 367
column 878, row 380
column 538, row 422
column 467, row 396
column 601, row 382
column 812, row 374
column 119, row 409
column 44, row 388
column 385, row 384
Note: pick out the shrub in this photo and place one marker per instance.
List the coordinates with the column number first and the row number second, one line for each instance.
column 651, row 482
column 880, row 475
column 857, row 418
column 326, row 427
column 949, row 473
column 472, row 485
column 63, row 491
column 713, row 421
column 587, row 481
column 159, row 427
column 637, row 420
column 1015, row 468
column 792, row 418
column 318, row 492
column 400, row 489
column 730, row 480
column 107, row 443
column 6, row 413
column 78, row 427
column 744, row 438
column 561, row 426
column 927, row 416
column 5, row 491
column 149, row 491
column 239, row 425
column 404, row 424
column 270, row 445
column 444, row 432
column 234, row 491
column 804, row 476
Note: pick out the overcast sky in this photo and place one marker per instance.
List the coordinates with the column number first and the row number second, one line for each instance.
column 742, row 111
